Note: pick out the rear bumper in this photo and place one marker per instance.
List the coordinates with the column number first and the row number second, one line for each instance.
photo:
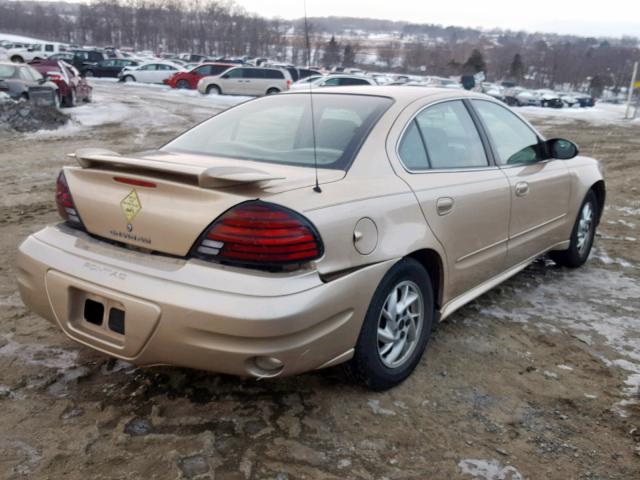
column 192, row 314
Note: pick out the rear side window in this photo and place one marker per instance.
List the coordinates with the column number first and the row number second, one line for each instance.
column 448, row 137
column 252, row 73
column 353, row 81
column 514, row 141
column 278, row 129
column 273, row 74
column 7, row 71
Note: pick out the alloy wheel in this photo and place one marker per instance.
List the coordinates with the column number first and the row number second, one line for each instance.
column 400, row 324
column 585, row 227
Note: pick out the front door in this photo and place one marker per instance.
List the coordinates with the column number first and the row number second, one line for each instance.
column 232, row 82
column 540, row 187
column 464, row 198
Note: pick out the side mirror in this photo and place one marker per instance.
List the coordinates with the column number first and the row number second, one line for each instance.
column 225, row 75
column 562, row 149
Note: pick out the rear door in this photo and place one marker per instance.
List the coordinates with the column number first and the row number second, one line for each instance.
column 464, row 197
column 540, row 186
column 254, row 82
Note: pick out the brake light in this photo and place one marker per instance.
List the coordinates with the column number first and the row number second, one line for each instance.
column 64, row 202
column 288, row 84
column 262, row 235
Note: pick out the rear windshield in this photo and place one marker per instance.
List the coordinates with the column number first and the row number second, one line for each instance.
column 7, row 71
column 278, row 129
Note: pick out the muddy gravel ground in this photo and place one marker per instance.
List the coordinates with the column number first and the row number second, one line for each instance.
column 537, row 379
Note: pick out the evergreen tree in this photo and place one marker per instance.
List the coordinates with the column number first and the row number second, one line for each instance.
column 516, row 71
column 475, row 63
column 349, row 56
column 332, row 52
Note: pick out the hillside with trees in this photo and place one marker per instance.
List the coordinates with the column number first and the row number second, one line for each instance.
column 223, row 28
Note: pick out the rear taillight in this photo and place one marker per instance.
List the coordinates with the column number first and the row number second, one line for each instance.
column 288, row 84
column 64, row 201
column 262, row 235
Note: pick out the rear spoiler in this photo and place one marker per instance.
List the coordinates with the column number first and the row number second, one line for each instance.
column 207, row 177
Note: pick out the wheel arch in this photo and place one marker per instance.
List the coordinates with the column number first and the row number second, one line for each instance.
column 433, row 264
column 600, row 191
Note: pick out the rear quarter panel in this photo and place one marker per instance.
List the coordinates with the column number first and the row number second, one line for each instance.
column 585, row 173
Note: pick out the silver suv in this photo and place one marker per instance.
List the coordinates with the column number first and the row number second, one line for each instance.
column 246, row 81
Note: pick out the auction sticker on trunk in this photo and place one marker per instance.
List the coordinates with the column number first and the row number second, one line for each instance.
column 131, row 205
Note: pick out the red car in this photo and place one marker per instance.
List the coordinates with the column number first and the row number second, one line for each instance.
column 190, row 79
column 72, row 88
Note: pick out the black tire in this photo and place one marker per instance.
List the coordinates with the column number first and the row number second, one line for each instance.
column 128, row 78
column 272, row 91
column 213, row 90
column 182, row 84
column 17, row 59
column 575, row 256
column 367, row 366
column 71, row 101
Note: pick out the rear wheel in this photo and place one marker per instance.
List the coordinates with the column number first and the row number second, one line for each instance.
column 17, row 59
column 396, row 328
column 213, row 90
column 272, row 91
column 582, row 235
column 182, row 84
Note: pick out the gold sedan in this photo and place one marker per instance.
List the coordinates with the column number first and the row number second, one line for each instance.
column 297, row 232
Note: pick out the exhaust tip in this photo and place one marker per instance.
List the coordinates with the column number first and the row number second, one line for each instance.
column 264, row 367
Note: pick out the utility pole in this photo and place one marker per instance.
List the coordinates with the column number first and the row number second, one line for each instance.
column 631, row 88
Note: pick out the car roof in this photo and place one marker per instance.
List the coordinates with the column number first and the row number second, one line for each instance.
column 400, row 94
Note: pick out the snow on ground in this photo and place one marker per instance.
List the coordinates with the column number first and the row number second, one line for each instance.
column 19, row 38
column 488, row 470
column 601, row 114
column 136, row 105
column 607, row 291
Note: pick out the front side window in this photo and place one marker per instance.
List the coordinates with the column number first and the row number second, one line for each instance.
column 237, row 73
column 149, row 67
column 278, row 129
column 203, row 70
column 514, row 141
column 218, row 69
column 448, row 136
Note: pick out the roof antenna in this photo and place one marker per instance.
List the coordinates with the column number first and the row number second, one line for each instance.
column 313, row 121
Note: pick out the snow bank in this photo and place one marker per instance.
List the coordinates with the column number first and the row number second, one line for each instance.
column 601, row 114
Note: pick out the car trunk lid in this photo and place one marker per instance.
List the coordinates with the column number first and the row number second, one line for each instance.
column 162, row 202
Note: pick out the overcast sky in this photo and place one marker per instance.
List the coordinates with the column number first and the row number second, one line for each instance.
column 581, row 17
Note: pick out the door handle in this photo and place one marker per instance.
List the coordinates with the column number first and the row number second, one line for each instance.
column 444, row 205
column 522, row 189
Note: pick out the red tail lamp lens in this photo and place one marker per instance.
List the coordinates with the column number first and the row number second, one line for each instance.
column 261, row 234
column 64, row 202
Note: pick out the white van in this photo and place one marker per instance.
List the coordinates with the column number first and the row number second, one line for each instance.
column 254, row 81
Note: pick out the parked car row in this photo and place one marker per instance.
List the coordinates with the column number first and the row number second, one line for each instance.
column 22, row 82
column 521, row 97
